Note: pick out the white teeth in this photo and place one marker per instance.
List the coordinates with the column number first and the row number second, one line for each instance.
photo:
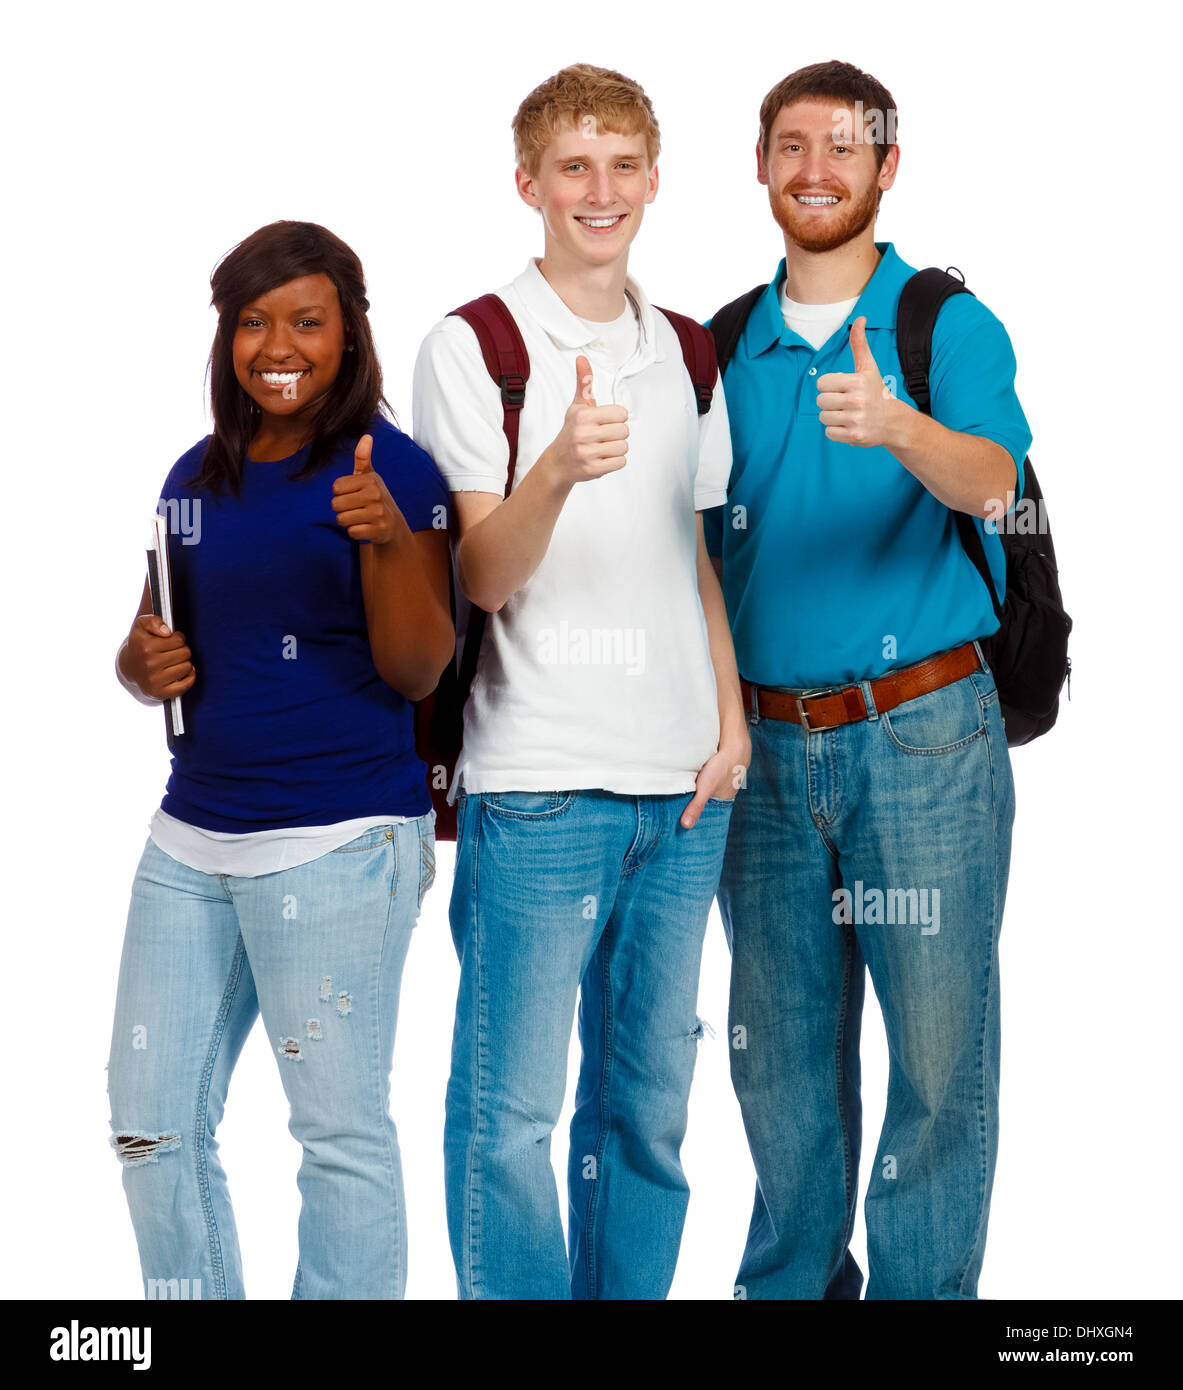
column 815, row 202
column 280, row 378
column 598, row 221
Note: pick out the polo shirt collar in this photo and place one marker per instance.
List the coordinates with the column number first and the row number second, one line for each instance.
column 566, row 329
column 878, row 301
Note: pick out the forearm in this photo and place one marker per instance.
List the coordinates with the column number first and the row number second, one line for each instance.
column 410, row 632
column 498, row 554
column 964, row 471
column 732, row 720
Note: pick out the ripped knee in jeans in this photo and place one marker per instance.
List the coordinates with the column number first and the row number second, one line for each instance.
column 135, row 1148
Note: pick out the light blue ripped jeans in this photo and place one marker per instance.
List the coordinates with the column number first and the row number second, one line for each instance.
column 318, row 950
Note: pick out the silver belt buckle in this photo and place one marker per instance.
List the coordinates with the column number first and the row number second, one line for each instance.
column 810, row 695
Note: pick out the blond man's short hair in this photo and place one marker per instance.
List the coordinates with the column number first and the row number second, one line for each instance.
column 606, row 100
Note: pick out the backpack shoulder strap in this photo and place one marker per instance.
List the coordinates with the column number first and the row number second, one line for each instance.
column 728, row 323
column 507, row 361
column 698, row 352
column 916, row 317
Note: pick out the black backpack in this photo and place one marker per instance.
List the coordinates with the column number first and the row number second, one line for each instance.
column 1029, row 653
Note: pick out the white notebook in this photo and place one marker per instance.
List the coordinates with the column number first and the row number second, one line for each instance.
column 161, row 587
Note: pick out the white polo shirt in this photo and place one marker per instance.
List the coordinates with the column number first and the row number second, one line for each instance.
column 597, row 673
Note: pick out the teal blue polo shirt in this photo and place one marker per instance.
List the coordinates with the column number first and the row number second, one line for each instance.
column 838, row 564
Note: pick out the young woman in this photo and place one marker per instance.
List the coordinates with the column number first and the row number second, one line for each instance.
column 287, row 863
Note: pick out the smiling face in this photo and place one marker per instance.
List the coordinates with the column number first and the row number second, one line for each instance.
column 591, row 189
column 823, row 189
column 288, row 345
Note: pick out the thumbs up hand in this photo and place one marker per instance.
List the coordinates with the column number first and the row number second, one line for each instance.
column 584, row 394
column 594, row 438
column 863, row 360
column 856, row 407
column 362, row 501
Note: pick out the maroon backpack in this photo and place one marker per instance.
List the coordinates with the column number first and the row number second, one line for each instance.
column 439, row 719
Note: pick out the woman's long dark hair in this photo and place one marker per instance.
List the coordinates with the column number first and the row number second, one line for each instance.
column 268, row 258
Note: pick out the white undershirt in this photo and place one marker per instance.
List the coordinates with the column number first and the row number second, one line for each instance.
column 258, row 851
column 816, row 323
column 616, row 338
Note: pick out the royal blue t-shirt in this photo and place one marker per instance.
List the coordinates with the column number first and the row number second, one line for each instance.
column 288, row 723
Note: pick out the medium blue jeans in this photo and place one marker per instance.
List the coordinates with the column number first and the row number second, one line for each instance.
column 558, row 893
column 318, row 950
column 885, row 842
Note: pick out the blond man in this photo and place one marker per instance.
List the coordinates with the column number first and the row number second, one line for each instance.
column 604, row 739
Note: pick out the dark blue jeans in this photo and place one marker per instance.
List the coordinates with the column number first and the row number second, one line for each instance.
column 884, row 843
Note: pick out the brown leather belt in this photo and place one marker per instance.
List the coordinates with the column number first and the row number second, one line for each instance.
column 837, row 705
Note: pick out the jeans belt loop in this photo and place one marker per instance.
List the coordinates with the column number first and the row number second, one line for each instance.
column 869, row 701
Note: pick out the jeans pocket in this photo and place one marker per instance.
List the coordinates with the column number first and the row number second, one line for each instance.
column 426, row 856
column 531, row 806
column 369, row 839
column 939, row 722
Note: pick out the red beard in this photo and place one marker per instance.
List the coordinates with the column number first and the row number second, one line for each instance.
column 829, row 232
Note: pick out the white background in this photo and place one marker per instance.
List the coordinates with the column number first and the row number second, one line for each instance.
column 1038, row 154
